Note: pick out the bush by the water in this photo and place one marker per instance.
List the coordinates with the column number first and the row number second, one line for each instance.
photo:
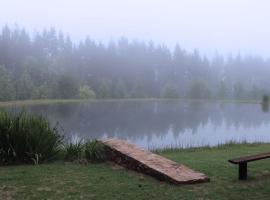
column 95, row 151
column 27, row 138
column 92, row 151
column 265, row 99
column 74, row 150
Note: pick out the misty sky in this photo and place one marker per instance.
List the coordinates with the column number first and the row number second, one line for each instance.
column 208, row 25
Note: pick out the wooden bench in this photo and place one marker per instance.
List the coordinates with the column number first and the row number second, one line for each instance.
column 242, row 162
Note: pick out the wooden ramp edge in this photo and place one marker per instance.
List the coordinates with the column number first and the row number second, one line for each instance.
column 135, row 158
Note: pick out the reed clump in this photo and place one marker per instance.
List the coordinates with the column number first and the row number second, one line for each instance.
column 27, row 138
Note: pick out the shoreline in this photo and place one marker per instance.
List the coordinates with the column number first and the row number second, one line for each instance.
column 65, row 101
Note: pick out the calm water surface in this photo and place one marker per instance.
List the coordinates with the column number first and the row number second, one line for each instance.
column 161, row 124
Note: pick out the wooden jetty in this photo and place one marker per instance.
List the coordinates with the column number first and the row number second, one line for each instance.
column 135, row 158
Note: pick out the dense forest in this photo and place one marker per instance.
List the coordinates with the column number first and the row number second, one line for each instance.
column 49, row 65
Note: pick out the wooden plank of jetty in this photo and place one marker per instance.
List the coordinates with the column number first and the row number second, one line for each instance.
column 134, row 158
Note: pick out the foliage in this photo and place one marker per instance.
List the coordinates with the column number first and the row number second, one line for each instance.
column 222, row 92
column 265, row 103
column 85, row 92
column 198, row 89
column 120, row 90
column 50, row 65
column 104, row 90
column 238, row 91
column 170, row 92
column 27, row 138
column 7, row 90
column 41, row 92
column 138, row 91
column 95, row 151
column 24, row 86
column 255, row 93
column 265, row 99
column 74, row 150
column 67, row 86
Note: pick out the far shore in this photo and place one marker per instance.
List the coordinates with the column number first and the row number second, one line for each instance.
column 63, row 101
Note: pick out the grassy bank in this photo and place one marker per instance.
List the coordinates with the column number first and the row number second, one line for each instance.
column 63, row 101
column 106, row 181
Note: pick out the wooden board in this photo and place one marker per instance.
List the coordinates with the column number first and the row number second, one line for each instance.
column 135, row 158
column 250, row 158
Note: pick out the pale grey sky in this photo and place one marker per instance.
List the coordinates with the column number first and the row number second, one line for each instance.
column 208, row 25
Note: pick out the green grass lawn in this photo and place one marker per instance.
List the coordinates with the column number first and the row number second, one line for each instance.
column 106, row 181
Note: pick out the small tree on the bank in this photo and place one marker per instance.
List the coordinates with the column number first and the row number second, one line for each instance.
column 265, row 100
column 198, row 89
column 104, row 90
column 265, row 103
column 85, row 92
column 120, row 90
column 170, row 92
column 138, row 91
column 25, row 86
column 67, row 86
column 222, row 91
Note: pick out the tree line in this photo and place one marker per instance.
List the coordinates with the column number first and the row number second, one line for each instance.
column 50, row 65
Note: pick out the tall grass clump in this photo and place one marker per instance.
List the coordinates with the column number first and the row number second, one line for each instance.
column 74, row 150
column 95, row 151
column 89, row 151
column 27, row 138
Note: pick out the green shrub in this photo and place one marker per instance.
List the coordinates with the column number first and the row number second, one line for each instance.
column 27, row 138
column 74, row 150
column 265, row 99
column 95, row 151
column 85, row 92
column 170, row 92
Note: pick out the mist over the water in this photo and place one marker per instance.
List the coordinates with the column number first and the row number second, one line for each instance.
column 229, row 26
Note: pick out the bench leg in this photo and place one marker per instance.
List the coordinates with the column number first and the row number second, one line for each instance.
column 243, row 171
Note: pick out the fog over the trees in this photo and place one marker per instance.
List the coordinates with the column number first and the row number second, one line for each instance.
column 228, row 26
column 51, row 65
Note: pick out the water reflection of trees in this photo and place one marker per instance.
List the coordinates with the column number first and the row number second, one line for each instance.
column 146, row 119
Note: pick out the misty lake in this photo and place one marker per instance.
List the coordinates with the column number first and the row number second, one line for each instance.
column 159, row 124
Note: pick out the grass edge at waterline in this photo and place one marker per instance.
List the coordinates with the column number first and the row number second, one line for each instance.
column 64, row 101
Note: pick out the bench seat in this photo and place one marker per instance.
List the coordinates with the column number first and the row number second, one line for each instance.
column 242, row 162
column 250, row 158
